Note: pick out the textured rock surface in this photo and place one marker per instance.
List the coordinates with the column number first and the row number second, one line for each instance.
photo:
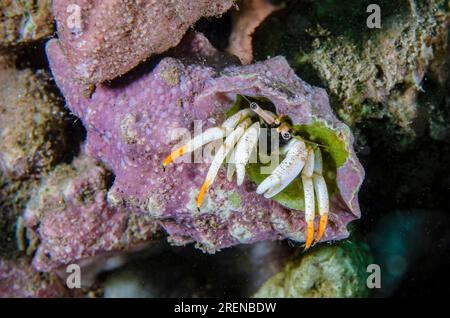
column 19, row 279
column 31, row 124
column 115, row 36
column 32, row 140
column 393, row 74
column 24, row 21
column 72, row 220
column 328, row 271
column 129, row 128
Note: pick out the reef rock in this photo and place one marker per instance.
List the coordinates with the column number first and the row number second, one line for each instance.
column 73, row 222
column 25, row 21
column 31, row 121
column 394, row 73
column 129, row 124
column 33, row 139
column 19, row 279
column 105, row 39
column 329, row 271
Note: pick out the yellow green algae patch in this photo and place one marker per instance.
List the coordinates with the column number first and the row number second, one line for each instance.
column 328, row 271
column 235, row 199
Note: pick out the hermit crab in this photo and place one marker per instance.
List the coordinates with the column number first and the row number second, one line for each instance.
column 301, row 158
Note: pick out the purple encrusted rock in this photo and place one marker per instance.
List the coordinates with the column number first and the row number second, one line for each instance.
column 19, row 279
column 105, row 39
column 129, row 124
column 73, row 221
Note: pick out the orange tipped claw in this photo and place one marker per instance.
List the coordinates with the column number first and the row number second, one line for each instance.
column 175, row 154
column 310, row 234
column 322, row 227
column 205, row 187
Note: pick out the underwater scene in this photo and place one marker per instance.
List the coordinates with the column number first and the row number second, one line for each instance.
column 258, row 149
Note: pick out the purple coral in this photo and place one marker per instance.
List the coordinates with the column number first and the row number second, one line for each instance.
column 73, row 222
column 128, row 129
column 105, row 39
column 19, row 279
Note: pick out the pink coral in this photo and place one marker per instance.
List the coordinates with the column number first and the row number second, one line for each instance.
column 105, row 39
column 19, row 279
column 73, row 222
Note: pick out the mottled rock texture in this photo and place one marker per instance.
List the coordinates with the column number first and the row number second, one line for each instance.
column 31, row 122
column 32, row 140
column 19, row 279
column 328, row 271
column 72, row 220
column 105, row 39
column 393, row 75
column 129, row 123
column 22, row 22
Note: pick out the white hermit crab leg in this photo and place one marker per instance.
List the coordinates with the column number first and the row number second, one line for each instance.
column 320, row 187
column 244, row 149
column 308, row 190
column 288, row 169
column 223, row 151
column 208, row 136
column 235, row 119
column 285, row 149
column 231, row 166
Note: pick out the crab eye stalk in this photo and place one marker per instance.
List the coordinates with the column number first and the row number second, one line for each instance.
column 267, row 116
column 286, row 135
column 284, row 130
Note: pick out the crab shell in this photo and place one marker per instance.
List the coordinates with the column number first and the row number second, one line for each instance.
column 129, row 124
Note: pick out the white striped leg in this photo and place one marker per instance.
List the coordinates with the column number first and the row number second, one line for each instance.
column 323, row 201
column 223, row 151
column 244, row 149
column 308, row 190
column 209, row 135
column 288, row 169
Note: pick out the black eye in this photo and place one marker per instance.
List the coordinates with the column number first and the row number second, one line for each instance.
column 253, row 106
column 286, row 135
